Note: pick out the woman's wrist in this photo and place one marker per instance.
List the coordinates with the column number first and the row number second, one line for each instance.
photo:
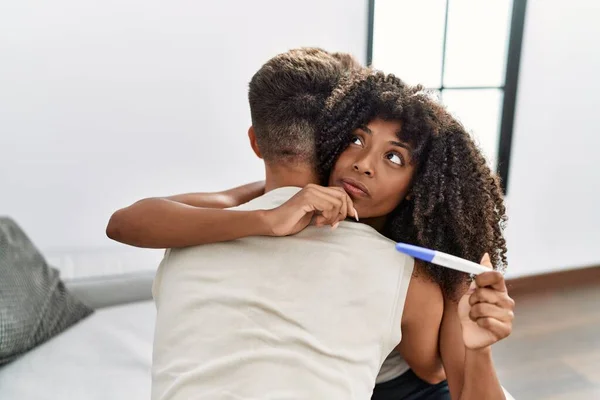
column 262, row 223
column 480, row 378
column 482, row 353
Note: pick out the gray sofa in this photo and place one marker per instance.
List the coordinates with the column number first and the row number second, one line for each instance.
column 107, row 355
column 112, row 290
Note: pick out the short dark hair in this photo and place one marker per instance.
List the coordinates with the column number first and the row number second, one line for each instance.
column 287, row 96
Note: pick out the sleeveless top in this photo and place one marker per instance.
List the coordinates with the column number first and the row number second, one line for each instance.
column 309, row 316
column 393, row 366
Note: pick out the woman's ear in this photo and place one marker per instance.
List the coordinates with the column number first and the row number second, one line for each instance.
column 253, row 143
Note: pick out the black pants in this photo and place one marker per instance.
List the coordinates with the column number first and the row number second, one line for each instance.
column 409, row 386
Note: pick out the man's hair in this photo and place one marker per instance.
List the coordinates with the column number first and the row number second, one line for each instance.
column 287, row 96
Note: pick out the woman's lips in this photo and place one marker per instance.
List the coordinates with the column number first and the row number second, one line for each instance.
column 354, row 188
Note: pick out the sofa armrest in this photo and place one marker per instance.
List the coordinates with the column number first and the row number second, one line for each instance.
column 105, row 291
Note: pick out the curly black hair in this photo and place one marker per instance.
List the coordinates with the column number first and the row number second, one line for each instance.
column 456, row 204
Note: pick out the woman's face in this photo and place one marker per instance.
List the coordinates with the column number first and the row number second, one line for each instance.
column 376, row 169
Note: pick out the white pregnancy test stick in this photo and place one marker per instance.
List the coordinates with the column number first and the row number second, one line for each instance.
column 443, row 259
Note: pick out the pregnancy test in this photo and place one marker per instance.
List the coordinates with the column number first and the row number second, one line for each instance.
column 443, row 259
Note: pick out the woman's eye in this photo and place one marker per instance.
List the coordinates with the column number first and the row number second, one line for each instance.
column 356, row 140
column 395, row 158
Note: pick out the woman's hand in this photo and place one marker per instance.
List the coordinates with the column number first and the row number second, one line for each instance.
column 328, row 205
column 486, row 310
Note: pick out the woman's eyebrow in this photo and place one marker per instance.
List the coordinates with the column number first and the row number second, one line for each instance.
column 392, row 142
column 400, row 144
column 366, row 129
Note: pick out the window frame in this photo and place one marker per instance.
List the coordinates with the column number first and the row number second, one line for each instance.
column 511, row 79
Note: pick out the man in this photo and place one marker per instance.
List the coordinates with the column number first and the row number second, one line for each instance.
column 227, row 324
column 257, row 318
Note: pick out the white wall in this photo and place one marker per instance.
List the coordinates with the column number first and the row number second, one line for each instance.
column 102, row 103
column 554, row 183
column 105, row 102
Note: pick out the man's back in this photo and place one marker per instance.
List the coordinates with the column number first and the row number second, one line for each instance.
column 308, row 316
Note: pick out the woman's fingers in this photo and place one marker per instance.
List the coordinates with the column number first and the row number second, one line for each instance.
column 486, row 261
column 340, row 205
column 487, row 295
column 493, row 279
column 487, row 310
column 344, row 209
column 328, row 204
column 337, row 211
column 491, row 306
column 350, row 211
column 498, row 328
column 332, row 204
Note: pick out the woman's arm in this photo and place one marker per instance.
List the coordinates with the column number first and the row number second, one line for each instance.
column 161, row 223
column 470, row 373
column 164, row 223
column 421, row 320
column 183, row 220
column 482, row 317
column 225, row 199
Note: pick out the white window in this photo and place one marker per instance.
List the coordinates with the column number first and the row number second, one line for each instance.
column 468, row 50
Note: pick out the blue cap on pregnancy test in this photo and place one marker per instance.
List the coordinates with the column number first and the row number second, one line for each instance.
column 415, row 251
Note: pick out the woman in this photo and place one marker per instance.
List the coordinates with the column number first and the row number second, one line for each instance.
column 413, row 173
column 449, row 199
column 452, row 189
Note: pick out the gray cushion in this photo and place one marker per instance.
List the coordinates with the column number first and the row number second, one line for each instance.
column 34, row 304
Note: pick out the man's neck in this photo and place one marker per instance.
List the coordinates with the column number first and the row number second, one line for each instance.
column 298, row 175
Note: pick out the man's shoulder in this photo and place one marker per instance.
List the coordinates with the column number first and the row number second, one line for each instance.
column 269, row 200
column 364, row 241
column 351, row 229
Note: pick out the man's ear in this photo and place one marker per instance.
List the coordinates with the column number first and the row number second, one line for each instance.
column 253, row 144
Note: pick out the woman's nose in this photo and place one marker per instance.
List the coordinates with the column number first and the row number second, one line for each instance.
column 363, row 168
